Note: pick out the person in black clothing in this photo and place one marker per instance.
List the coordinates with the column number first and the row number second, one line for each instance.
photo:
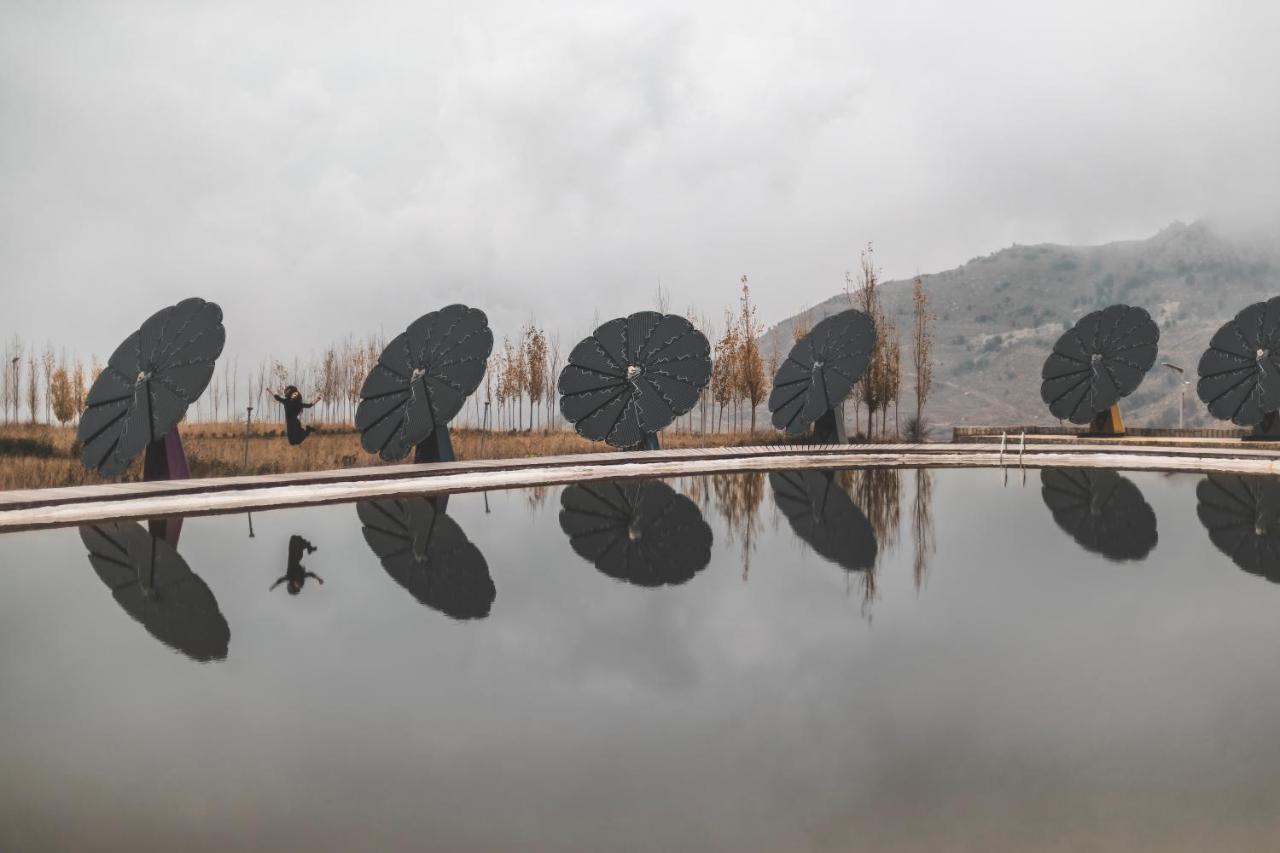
column 296, row 574
column 293, row 406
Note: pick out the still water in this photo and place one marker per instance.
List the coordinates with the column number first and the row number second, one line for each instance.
column 871, row 660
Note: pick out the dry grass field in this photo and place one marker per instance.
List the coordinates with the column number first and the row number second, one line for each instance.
column 38, row 456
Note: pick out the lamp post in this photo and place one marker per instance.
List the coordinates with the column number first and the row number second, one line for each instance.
column 1182, row 400
column 247, row 419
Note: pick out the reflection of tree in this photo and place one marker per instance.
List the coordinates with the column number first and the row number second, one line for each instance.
column 922, row 525
column 878, row 493
column 738, row 498
column 536, row 496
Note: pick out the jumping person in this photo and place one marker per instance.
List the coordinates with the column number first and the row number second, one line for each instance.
column 296, row 574
column 293, row 406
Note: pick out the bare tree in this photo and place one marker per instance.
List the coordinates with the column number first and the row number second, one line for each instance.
column 49, row 363
column 62, row 396
column 33, row 385
column 535, row 362
column 750, row 373
column 921, row 347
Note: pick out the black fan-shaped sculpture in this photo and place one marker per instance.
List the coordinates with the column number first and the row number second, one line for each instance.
column 1104, row 512
column 639, row 531
column 822, row 514
column 154, row 585
column 1240, row 372
column 421, row 381
column 819, row 373
column 426, row 552
column 634, row 376
column 1096, row 362
column 135, row 404
column 1242, row 514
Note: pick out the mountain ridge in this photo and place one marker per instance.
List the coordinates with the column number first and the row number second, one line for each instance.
column 998, row 316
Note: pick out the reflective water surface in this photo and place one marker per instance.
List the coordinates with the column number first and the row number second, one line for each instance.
column 809, row 660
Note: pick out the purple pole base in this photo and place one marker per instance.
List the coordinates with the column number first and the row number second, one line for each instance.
column 165, row 459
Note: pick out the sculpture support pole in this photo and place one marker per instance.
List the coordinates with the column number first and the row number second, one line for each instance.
column 165, row 459
column 829, row 429
column 437, row 448
column 1107, row 423
column 1265, row 430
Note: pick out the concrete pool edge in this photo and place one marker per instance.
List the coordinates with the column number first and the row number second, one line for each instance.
column 153, row 500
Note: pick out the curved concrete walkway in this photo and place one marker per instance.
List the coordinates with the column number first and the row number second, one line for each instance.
column 74, row 505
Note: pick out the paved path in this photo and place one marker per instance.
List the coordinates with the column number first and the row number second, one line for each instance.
column 74, row 505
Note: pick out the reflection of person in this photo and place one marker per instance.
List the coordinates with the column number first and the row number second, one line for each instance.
column 296, row 574
column 293, row 406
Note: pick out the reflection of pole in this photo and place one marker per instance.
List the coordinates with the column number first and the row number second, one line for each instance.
column 247, row 419
column 250, row 516
column 486, row 496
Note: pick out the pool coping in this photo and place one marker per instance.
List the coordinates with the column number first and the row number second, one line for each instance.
column 37, row 508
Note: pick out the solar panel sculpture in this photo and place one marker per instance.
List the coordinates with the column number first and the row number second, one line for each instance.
column 420, row 382
column 642, row 532
column 1095, row 363
column 427, row 553
column 1104, row 512
column 819, row 372
column 135, row 404
column 1240, row 372
column 632, row 377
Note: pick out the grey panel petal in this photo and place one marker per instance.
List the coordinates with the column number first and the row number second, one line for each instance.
column 821, row 513
column 1097, row 362
column 155, row 586
column 1104, row 512
column 638, row 531
column 1239, row 374
column 427, row 553
column 633, row 376
column 1242, row 514
column 154, row 376
column 821, row 370
column 423, row 379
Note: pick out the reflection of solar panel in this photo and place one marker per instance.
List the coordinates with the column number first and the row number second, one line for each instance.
column 1240, row 372
column 632, row 377
column 154, row 585
column 639, row 531
column 822, row 514
column 1097, row 361
column 421, row 381
column 819, row 373
column 135, row 404
column 1242, row 514
column 426, row 552
column 1104, row 512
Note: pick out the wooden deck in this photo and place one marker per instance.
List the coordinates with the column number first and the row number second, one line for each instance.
column 33, row 508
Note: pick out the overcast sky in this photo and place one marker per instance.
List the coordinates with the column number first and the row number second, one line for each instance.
column 320, row 170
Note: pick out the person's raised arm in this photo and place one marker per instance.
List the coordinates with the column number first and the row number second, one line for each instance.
column 277, row 583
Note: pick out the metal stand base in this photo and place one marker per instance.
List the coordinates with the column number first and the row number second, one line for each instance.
column 649, row 442
column 1268, row 429
column 437, row 448
column 165, row 459
column 829, row 429
column 1108, row 423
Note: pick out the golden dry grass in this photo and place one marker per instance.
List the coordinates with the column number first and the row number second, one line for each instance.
column 39, row 456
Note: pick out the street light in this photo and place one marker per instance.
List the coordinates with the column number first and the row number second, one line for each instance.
column 1182, row 400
